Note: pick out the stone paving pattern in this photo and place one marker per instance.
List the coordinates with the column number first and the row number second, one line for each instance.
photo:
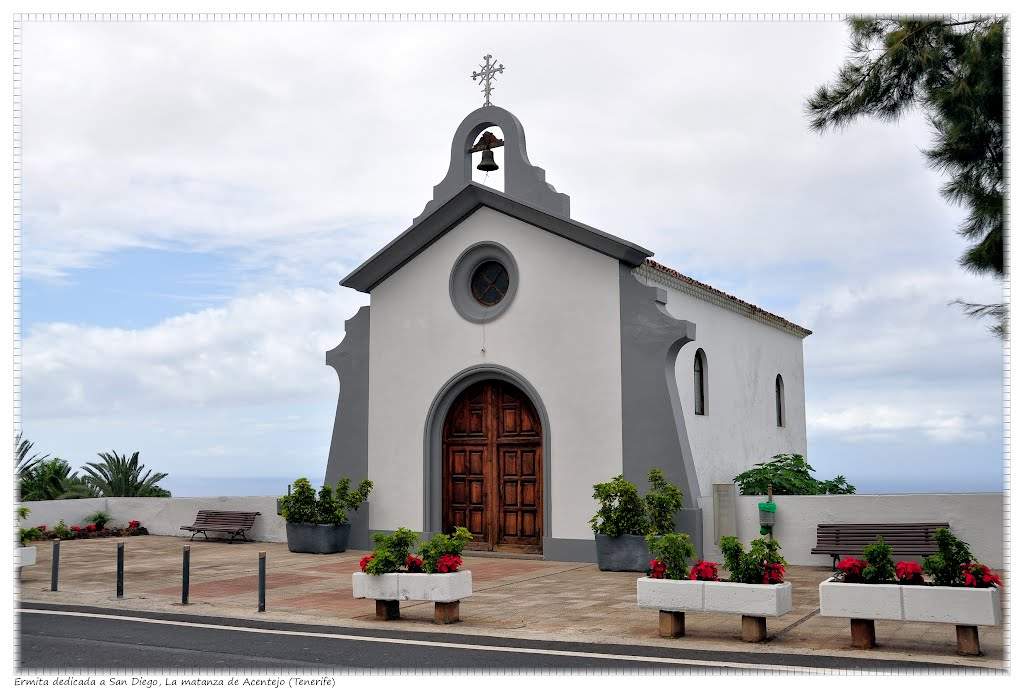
column 538, row 599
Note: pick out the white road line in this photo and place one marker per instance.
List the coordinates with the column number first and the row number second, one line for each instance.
column 441, row 644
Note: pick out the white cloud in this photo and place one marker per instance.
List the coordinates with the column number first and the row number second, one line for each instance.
column 267, row 348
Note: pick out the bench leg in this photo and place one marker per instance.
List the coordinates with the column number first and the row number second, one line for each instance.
column 754, row 628
column 967, row 643
column 446, row 613
column 671, row 624
column 387, row 610
column 862, row 633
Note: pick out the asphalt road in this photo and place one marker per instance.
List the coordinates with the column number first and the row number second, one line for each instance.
column 80, row 638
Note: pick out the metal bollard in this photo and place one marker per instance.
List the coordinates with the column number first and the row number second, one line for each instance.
column 55, row 565
column 186, row 554
column 263, row 582
column 120, row 569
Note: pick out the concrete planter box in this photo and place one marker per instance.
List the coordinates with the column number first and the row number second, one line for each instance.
column 439, row 588
column 443, row 590
column 379, row 587
column 948, row 604
column 25, row 556
column 861, row 601
column 754, row 600
column 622, row 553
column 321, row 539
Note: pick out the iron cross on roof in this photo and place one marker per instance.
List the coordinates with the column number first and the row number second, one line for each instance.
column 486, row 75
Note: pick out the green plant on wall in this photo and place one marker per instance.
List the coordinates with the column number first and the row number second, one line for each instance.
column 789, row 474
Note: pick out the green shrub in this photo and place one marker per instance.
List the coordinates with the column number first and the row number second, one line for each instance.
column 662, row 501
column 621, row 510
column 880, row 569
column 443, row 544
column 61, row 530
column 100, row 519
column 674, row 550
column 391, row 551
column 26, row 536
column 946, row 567
column 763, row 564
column 789, row 474
column 304, row 506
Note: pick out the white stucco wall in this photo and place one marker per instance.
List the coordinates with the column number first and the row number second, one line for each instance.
column 161, row 516
column 561, row 333
column 743, row 357
column 973, row 517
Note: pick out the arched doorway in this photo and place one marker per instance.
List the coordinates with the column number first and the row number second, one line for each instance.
column 492, row 469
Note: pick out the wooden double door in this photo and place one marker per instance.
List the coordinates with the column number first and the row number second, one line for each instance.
column 493, row 480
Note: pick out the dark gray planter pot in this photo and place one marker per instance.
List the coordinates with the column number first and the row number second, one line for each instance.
column 622, row 553
column 317, row 538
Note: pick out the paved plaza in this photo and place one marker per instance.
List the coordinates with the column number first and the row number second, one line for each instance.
column 526, row 599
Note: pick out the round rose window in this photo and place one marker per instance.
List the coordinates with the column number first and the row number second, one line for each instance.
column 489, row 283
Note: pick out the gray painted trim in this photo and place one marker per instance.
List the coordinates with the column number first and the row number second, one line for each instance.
column 462, row 274
column 570, row 549
column 523, row 180
column 350, row 440
column 432, row 459
column 653, row 425
column 426, row 231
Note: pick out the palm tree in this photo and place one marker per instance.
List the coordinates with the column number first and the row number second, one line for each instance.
column 52, row 479
column 23, row 462
column 121, row 476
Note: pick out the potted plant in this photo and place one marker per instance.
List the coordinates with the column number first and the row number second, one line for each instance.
column 319, row 523
column 756, row 589
column 623, row 519
column 26, row 555
column 392, row 573
column 962, row 591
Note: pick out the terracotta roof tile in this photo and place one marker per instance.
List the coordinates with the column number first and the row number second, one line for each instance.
column 744, row 306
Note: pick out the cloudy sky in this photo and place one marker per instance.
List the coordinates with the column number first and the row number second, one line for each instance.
column 193, row 192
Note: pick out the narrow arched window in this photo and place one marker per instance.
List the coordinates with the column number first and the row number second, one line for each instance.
column 700, row 380
column 780, row 402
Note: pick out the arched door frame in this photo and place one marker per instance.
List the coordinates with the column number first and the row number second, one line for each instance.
column 433, row 460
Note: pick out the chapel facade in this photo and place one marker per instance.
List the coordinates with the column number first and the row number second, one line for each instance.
column 512, row 357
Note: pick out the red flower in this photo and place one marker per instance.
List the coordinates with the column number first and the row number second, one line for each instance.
column 133, row 524
column 76, row 528
column 413, row 563
column 852, row 568
column 704, row 571
column 365, row 561
column 773, row 573
column 448, row 563
column 980, row 576
column 90, row 528
column 909, row 573
column 657, row 570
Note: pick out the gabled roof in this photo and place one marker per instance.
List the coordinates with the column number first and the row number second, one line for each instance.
column 727, row 300
column 422, row 234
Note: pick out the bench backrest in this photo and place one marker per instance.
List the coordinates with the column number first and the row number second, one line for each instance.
column 219, row 518
column 851, row 539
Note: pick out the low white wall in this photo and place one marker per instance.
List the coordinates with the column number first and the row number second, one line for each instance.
column 161, row 516
column 973, row 517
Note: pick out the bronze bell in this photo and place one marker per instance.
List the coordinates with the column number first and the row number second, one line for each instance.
column 487, row 163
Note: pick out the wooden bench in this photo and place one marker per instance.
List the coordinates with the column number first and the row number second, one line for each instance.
column 838, row 540
column 234, row 523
